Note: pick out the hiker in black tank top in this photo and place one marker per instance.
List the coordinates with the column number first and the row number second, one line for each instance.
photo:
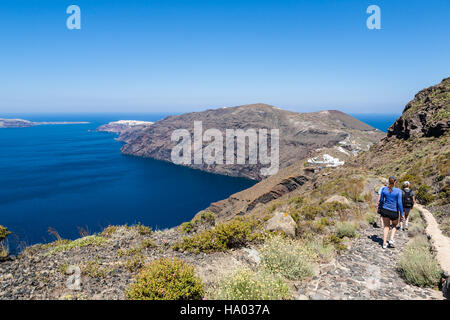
column 408, row 201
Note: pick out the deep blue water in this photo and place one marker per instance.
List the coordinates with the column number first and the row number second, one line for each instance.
column 66, row 176
column 380, row 121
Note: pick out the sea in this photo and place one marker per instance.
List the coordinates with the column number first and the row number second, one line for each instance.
column 74, row 180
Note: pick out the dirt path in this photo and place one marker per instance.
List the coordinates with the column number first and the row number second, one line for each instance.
column 366, row 271
column 441, row 243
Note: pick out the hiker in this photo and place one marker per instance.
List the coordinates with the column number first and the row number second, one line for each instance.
column 390, row 206
column 408, row 201
column 378, row 204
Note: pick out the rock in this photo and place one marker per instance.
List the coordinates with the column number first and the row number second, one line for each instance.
column 282, row 222
column 426, row 115
column 340, row 199
column 316, row 296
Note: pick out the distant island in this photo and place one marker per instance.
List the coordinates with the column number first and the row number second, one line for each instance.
column 122, row 125
column 20, row 123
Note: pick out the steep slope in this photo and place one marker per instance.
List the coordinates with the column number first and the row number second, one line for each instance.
column 416, row 149
column 300, row 135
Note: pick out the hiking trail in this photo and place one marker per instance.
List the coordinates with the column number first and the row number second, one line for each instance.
column 365, row 271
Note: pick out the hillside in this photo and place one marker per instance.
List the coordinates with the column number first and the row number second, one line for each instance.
column 308, row 232
column 300, row 135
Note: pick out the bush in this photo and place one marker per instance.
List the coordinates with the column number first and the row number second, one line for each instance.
column 336, row 242
column 346, row 229
column 323, row 250
column 353, row 188
column 424, row 196
column 370, row 217
column 135, row 262
column 286, row 257
column 224, row 236
column 204, row 219
column 417, row 264
column 310, row 211
column 81, row 242
column 166, row 279
column 244, row 284
column 92, row 269
column 4, row 232
column 333, row 207
column 143, row 230
column 417, row 224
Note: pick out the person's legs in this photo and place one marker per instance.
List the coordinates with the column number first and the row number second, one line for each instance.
column 405, row 223
column 381, row 221
column 394, row 225
column 386, row 223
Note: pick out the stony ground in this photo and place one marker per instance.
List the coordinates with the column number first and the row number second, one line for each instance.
column 36, row 274
column 365, row 271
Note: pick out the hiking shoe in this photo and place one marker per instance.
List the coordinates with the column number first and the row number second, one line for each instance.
column 392, row 243
column 385, row 245
column 405, row 228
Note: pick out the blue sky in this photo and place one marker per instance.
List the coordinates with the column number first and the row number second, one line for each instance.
column 176, row 56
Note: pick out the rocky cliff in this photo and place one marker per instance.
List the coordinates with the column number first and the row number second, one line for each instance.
column 427, row 115
column 300, row 135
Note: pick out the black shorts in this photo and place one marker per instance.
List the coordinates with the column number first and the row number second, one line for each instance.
column 389, row 214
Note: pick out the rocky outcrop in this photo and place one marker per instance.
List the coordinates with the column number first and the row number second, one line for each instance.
column 124, row 125
column 282, row 222
column 427, row 115
column 336, row 198
column 300, row 135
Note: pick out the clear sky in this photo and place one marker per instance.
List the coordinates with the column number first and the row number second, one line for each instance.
column 176, row 56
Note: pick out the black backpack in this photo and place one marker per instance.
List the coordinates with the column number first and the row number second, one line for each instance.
column 407, row 199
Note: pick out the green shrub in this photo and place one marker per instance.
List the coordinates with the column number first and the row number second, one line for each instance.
column 244, row 284
column 92, row 269
column 204, row 219
column 417, row 264
column 370, row 217
column 353, row 187
column 414, row 215
column 310, row 211
column 81, row 242
column 109, row 231
column 4, row 232
column 286, row 257
column 321, row 249
column 346, row 229
column 336, row 242
column 424, row 196
column 417, row 224
column 143, row 230
column 166, row 279
column 226, row 235
column 334, row 207
column 135, row 262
